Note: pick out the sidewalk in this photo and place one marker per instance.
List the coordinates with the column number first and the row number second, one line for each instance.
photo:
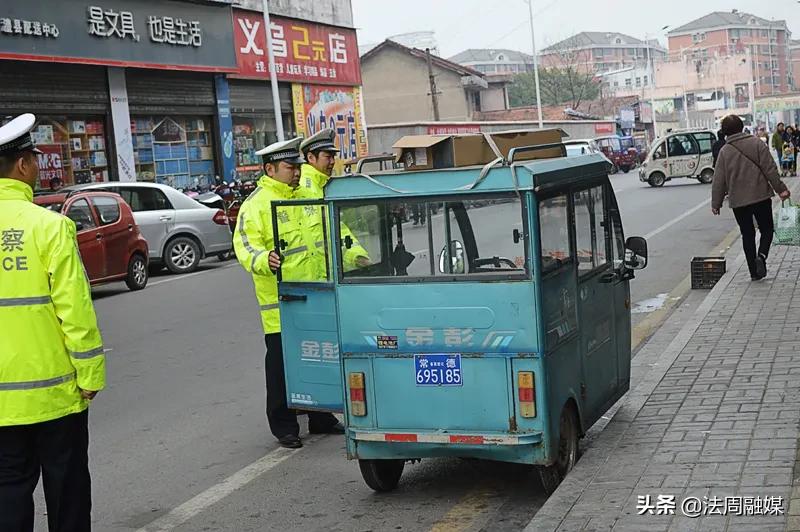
column 714, row 415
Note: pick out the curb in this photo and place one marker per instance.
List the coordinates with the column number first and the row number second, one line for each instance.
column 550, row 516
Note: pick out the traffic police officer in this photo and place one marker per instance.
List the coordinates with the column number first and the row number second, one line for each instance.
column 320, row 153
column 51, row 352
column 254, row 244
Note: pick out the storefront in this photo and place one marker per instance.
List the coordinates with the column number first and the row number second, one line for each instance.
column 72, row 107
column 123, row 90
column 254, row 122
column 319, row 73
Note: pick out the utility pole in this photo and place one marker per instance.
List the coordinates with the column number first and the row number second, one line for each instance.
column 432, row 80
column 535, row 68
column 276, row 98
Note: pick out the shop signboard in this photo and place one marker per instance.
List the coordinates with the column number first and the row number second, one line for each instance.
column 120, row 114
column 130, row 33
column 317, row 107
column 304, row 51
column 225, row 127
column 51, row 164
column 779, row 103
column 604, row 129
column 453, row 129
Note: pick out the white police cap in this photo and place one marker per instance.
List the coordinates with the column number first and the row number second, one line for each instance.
column 15, row 137
column 287, row 151
column 322, row 140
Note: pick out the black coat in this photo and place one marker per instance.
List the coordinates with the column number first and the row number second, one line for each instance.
column 716, row 147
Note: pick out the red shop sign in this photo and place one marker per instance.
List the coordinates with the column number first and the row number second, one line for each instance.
column 604, row 128
column 304, row 51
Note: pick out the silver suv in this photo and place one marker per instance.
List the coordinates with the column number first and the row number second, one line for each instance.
column 179, row 231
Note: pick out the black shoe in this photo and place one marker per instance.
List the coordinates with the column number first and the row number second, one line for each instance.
column 761, row 266
column 338, row 428
column 290, row 441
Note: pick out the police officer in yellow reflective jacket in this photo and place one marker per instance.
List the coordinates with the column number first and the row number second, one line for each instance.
column 51, row 353
column 254, row 244
column 320, row 151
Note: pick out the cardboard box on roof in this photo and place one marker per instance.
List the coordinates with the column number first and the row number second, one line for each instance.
column 426, row 152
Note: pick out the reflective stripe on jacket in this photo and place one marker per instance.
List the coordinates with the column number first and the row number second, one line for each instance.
column 312, row 185
column 253, row 239
column 49, row 341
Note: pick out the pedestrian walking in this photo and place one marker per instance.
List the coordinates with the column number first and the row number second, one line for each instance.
column 747, row 175
column 254, row 244
column 51, row 353
column 778, row 142
column 718, row 144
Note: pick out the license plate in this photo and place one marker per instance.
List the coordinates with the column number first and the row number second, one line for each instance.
column 438, row 370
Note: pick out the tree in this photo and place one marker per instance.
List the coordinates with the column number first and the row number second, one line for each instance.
column 569, row 80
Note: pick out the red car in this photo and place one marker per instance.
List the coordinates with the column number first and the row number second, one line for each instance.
column 111, row 246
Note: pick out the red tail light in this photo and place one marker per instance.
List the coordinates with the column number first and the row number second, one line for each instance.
column 220, row 218
column 358, row 401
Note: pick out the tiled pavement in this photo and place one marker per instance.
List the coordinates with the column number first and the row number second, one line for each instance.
column 715, row 414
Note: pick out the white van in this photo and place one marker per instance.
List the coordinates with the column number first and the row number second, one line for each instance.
column 683, row 153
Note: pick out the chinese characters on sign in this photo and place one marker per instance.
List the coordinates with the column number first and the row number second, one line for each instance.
column 312, row 351
column 167, row 30
column 109, row 23
column 32, row 28
column 304, row 51
column 696, row 506
column 12, row 240
column 317, row 107
column 50, row 164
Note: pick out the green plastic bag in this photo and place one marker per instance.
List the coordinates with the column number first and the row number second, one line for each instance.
column 787, row 226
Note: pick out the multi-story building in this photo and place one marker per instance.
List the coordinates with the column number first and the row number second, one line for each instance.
column 734, row 32
column 794, row 59
column 495, row 61
column 596, row 51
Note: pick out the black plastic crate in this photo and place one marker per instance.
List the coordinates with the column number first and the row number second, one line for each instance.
column 706, row 271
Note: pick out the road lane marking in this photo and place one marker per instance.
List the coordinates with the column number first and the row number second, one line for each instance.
column 214, row 494
column 672, row 222
column 188, row 275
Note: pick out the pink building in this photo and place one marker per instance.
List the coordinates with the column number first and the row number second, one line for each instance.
column 734, row 33
column 596, row 51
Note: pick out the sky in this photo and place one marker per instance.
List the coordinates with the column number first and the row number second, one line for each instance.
column 463, row 24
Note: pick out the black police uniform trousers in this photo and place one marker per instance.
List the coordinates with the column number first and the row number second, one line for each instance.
column 60, row 450
column 282, row 421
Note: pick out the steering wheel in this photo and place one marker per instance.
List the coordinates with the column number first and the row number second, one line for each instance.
column 497, row 262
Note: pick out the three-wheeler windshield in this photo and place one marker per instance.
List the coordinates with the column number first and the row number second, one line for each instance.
column 406, row 240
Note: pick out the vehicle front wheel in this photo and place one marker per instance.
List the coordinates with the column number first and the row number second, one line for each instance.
column 381, row 475
column 626, row 169
column 657, row 179
column 706, row 176
column 182, row 255
column 568, row 434
column 137, row 273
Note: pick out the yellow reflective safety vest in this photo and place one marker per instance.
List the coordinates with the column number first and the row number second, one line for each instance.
column 253, row 239
column 49, row 341
column 312, row 186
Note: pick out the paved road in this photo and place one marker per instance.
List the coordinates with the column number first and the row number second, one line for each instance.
column 184, row 408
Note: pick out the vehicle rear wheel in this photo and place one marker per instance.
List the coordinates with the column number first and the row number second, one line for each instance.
column 381, row 475
column 657, row 179
column 182, row 255
column 568, row 433
column 706, row 176
column 137, row 273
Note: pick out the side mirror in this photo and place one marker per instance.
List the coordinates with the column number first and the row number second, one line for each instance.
column 517, row 236
column 636, row 253
column 456, row 257
column 348, row 242
column 79, row 226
